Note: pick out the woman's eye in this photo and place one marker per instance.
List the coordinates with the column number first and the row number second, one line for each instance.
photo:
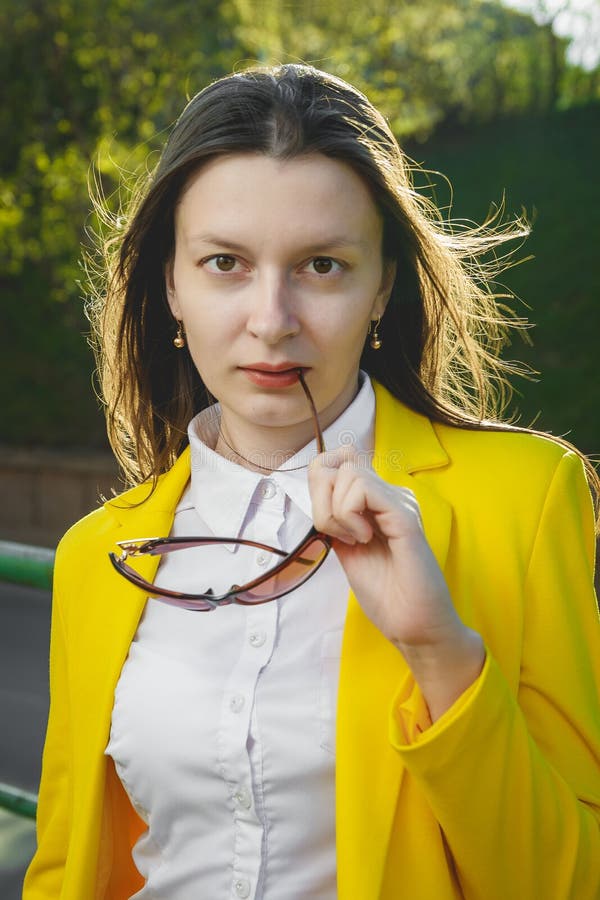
column 323, row 265
column 220, row 263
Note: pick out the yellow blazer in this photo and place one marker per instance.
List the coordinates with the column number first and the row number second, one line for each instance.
column 498, row 800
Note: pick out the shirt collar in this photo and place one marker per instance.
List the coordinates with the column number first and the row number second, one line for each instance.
column 221, row 490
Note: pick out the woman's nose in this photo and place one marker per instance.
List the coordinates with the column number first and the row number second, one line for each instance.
column 271, row 316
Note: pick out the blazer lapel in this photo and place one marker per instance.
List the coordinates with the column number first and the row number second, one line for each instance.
column 108, row 625
column 368, row 770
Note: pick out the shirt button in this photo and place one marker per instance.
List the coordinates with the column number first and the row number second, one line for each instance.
column 242, row 888
column 268, row 489
column 236, row 704
column 262, row 559
column 257, row 638
column 243, row 798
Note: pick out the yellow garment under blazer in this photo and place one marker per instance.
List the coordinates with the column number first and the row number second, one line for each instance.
column 498, row 800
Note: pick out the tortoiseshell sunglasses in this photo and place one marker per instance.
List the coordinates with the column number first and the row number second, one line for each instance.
column 294, row 569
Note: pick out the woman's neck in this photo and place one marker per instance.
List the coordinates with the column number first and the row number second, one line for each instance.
column 262, row 453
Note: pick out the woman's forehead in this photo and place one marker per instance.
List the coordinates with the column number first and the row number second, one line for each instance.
column 307, row 195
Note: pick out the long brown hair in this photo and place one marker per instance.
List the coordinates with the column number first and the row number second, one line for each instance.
column 444, row 326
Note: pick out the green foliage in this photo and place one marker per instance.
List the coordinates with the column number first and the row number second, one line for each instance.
column 96, row 81
column 421, row 62
column 102, row 80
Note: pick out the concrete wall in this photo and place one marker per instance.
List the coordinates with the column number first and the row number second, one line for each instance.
column 43, row 492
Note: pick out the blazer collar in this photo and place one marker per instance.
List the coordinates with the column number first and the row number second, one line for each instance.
column 140, row 504
column 407, row 444
column 405, row 441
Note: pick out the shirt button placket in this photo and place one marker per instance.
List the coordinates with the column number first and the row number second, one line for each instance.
column 243, row 778
column 268, row 489
column 241, row 887
column 237, row 703
column 243, row 799
column 257, row 638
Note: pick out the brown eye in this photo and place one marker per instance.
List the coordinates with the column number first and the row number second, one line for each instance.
column 225, row 263
column 322, row 265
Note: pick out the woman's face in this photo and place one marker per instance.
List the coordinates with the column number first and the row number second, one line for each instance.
column 277, row 265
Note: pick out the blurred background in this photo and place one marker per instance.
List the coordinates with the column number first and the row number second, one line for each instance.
column 499, row 101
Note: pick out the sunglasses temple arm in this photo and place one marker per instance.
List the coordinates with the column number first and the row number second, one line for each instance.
column 313, row 409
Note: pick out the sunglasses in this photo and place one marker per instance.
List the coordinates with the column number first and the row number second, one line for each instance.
column 294, row 568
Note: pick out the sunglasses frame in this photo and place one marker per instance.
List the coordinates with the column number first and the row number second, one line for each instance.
column 185, row 600
column 157, row 546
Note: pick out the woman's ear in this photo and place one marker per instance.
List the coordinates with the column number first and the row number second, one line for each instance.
column 171, row 295
column 385, row 287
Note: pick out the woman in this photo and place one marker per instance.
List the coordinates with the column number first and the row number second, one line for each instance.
column 279, row 257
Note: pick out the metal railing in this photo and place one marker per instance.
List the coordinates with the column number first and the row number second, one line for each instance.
column 22, row 564
column 17, row 801
column 31, row 566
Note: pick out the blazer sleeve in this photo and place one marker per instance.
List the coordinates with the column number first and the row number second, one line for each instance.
column 514, row 781
column 44, row 877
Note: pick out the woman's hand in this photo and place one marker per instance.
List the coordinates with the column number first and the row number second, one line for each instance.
column 378, row 537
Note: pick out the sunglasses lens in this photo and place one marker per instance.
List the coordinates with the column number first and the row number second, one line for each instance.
column 291, row 576
column 137, row 579
column 177, row 584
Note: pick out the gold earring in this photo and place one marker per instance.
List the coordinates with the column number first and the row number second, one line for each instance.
column 375, row 339
column 179, row 340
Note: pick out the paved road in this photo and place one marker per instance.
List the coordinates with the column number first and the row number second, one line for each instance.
column 24, row 634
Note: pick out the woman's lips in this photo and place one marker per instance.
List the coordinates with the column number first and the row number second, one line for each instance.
column 273, row 378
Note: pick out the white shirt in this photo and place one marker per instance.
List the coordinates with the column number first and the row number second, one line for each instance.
column 223, row 726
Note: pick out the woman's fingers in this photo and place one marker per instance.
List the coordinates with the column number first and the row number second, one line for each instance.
column 391, row 568
column 322, row 481
column 350, row 501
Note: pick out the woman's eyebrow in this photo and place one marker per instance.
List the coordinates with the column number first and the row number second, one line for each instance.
column 325, row 243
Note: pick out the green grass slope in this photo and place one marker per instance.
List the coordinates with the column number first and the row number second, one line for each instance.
column 549, row 166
